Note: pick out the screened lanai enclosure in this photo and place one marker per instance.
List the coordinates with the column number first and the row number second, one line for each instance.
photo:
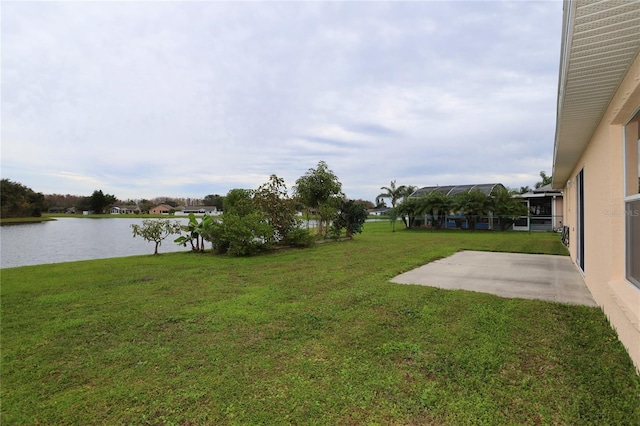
column 491, row 207
column 486, row 188
column 545, row 206
column 448, row 218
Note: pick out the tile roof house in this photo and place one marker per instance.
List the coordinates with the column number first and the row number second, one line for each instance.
column 161, row 209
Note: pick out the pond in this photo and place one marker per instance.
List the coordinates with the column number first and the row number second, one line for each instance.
column 71, row 239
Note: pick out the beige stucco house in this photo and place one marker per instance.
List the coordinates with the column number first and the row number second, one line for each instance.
column 596, row 160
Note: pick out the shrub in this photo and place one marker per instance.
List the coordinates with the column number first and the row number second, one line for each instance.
column 240, row 235
column 299, row 237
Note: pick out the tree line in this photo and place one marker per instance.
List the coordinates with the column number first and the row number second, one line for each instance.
column 18, row 200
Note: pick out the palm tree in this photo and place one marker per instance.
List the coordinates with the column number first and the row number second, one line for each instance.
column 472, row 204
column 408, row 190
column 393, row 193
column 507, row 207
column 437, row 204
column 546, row 180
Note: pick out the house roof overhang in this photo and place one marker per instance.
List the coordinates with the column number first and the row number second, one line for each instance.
column 600, row 40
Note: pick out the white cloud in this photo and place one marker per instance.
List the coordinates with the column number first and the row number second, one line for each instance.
column 191, row 98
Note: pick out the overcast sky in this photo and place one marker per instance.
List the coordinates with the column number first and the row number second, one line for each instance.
column 185, row 99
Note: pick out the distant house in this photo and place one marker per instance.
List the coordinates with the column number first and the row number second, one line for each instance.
column 545, row 206
column 161, row 209
column 382, row 211
column 199, row 210
column 596, row 155
column 124, row 209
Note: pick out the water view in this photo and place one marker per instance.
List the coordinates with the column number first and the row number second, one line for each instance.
column 71, row 239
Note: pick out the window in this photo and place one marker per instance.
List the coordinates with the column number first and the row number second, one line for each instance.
column 632, row 200
column 580, row 220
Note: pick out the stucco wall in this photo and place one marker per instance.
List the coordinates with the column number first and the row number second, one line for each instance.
column 604, row 218
column 558, row 220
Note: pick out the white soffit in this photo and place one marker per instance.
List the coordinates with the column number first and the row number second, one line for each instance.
column 600, row 41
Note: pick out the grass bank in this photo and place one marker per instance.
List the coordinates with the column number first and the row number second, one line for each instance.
column 23, row 220
column 115, row 216
column 313, row 336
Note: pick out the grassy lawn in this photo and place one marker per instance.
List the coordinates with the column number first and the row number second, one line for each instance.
column 313, row 336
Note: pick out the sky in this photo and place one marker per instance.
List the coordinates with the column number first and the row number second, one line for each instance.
column 185, row 99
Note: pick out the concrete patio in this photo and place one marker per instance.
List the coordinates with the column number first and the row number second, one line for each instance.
column 509, row 275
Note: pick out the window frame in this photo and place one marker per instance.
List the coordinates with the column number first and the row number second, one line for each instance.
column 630, row 197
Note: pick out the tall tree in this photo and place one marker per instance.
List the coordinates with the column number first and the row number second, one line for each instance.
column 100, row 201
column 215, row 200
column 319, row 190
column 408, row 190
column 145, row 205
column 366, row 203
column 239, row 202
column 545, row 180
column 273, row 200
column 393, row 193
column 18, row 200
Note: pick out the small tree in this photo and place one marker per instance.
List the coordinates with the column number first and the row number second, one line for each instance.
column 350, row 217
column 244, row 230
column 507, row 207
column 409, row 210
column 156, row 230
column 194, row 230
column 239, row 202
column 273, row 201
column 318, row 190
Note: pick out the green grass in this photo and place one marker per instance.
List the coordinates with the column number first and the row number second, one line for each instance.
column 312, row 336
column 22, row 220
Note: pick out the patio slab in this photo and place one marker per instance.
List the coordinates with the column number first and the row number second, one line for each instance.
column 509, row 275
